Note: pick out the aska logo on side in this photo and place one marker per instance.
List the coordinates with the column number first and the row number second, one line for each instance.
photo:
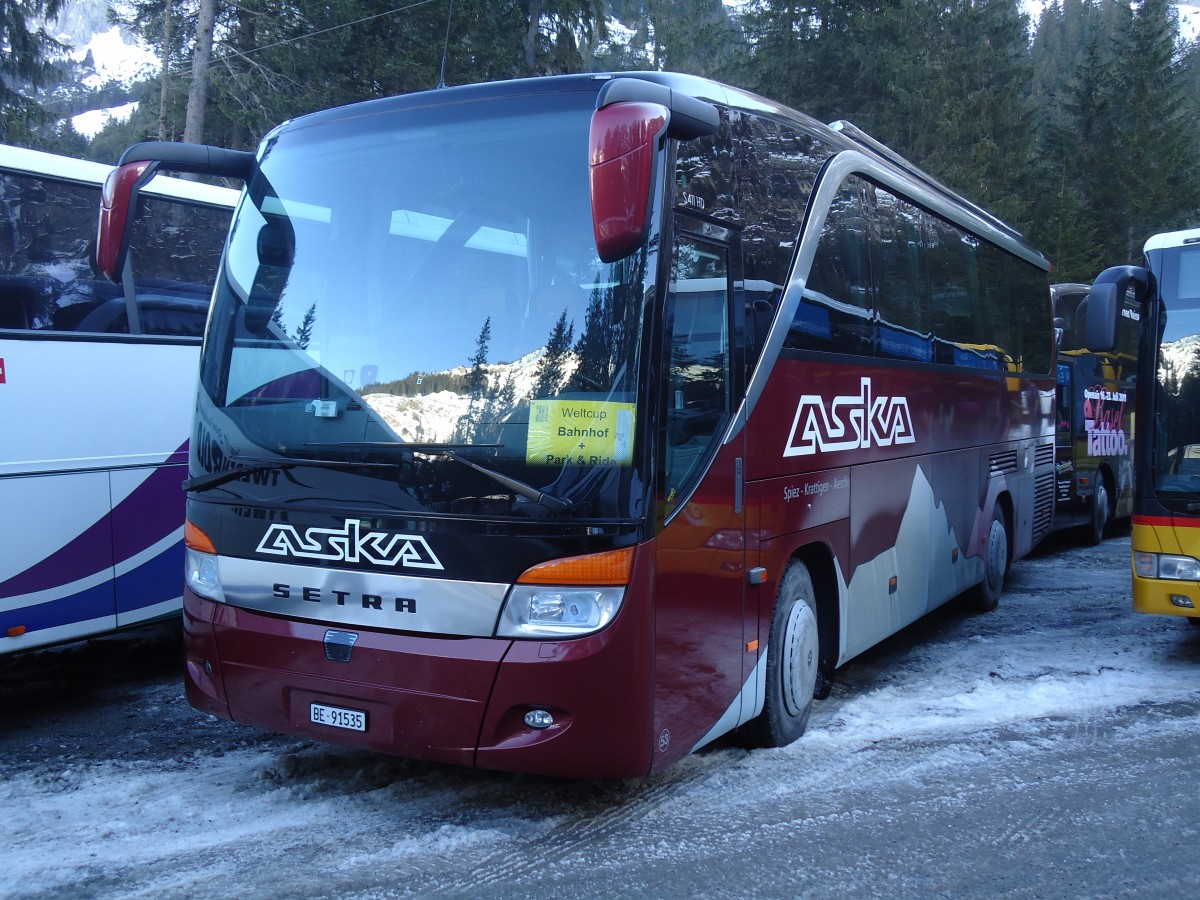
column 350, row 544
column 849, row 422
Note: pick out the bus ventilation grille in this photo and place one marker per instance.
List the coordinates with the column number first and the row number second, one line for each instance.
column 1043, row 505
column 1043, row 456
column 1003, row 463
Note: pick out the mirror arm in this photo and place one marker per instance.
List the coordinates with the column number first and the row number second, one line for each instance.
column 196, row 159
column 690, row 117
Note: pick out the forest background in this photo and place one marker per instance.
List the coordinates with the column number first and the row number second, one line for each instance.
column 1081, row 129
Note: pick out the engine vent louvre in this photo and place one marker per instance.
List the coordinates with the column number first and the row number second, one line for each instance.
column 1003, row 463
column 1043, row 456
column 1043, row 505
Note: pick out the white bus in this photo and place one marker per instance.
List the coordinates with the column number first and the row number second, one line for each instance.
column 96, row 391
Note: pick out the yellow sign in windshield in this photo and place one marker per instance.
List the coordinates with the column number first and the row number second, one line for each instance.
column 580, row 432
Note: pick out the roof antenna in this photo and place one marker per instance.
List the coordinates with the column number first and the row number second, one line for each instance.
column 445, row 46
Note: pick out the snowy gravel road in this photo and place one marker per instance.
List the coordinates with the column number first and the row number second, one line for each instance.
column 1047, row 749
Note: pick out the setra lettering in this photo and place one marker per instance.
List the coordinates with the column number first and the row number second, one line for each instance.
column 281, row 591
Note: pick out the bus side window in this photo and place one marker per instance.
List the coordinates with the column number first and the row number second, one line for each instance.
column 760, row 301
column 177, row 245
column 698, row 400
column 953, row 292
column 49, row 283
column 898, row 260
column 833, row 311
column 17, row 296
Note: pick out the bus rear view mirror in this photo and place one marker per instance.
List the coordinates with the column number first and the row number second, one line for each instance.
column 117, row 198
column 137, row 166
column 623, row 139
column 1105, row 301
column 632, row 116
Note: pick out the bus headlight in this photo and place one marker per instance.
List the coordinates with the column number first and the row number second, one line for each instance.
column 203, row 575
column 549, row 611
column 1164, row 565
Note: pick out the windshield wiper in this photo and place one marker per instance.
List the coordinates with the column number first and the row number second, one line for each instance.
column 251, row 466
column 528, row 491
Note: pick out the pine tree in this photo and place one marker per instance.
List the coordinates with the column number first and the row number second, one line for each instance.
column 24, row 65
column 476, row 385
column 303, row 333
column 1116, row 136
column 593, row 349
column 551, row 368
column 1163, row 186
column 477, row 378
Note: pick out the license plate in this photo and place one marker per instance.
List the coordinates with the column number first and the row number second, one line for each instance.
column 336, row 717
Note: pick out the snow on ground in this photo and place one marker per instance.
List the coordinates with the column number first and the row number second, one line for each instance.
column 90, row 123
column 920, row 731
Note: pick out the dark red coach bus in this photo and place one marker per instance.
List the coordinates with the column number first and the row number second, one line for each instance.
column 563, row 425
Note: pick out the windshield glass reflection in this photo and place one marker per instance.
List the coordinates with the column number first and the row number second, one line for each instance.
column 425, row 290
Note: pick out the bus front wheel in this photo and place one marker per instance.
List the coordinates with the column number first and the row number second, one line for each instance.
column 1100, row 512
column 793, row 650
column 986, row 595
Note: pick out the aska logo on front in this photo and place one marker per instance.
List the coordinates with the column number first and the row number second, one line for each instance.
column 350, row 544
column 849, row 422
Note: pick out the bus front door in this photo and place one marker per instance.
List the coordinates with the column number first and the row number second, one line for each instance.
column 701, row 659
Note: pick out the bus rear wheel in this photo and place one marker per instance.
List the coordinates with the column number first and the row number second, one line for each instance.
column 986, row 595
column 793, row 651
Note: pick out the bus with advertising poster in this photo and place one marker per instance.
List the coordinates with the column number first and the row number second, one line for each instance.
column 1094, row 422
column 97, row 384
column 563, row 425
column 1166, row 494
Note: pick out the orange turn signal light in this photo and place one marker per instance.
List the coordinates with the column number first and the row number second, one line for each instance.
column 16, row 631
column 612, row 567
column 196, row 539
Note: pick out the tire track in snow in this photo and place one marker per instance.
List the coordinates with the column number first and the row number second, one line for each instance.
column 621, row 805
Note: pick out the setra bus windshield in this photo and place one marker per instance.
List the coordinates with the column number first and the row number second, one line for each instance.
column 416, row 297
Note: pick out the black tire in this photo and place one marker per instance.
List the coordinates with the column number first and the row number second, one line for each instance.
column 793, row 651
column 1101, row 510
column 1194, row 621
column 986, row 595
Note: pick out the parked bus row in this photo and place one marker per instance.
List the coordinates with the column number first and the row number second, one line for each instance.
column 563, row 425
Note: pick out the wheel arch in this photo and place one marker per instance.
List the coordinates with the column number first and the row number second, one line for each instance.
column 819, row 561
column 1106, row 473
column 1004, row 502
